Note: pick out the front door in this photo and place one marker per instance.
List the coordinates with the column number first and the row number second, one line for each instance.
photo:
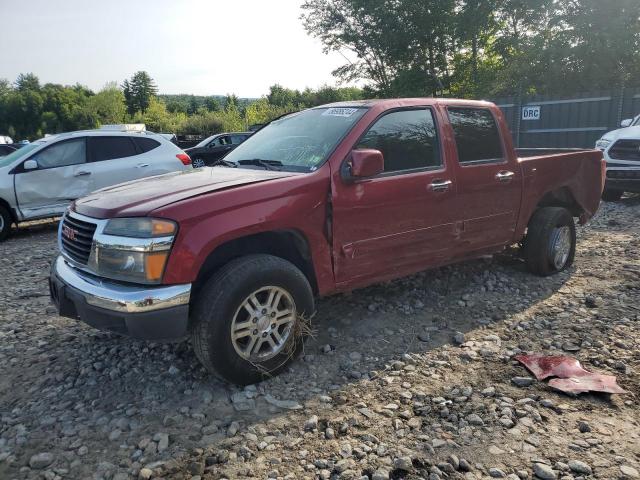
column 62, row 176
column 400, row 221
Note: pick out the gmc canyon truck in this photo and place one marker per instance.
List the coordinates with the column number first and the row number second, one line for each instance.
column 326, row 200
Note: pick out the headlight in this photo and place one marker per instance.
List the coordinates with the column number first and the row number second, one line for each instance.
column 603, row 143
column 142, row 227
column 133, row 249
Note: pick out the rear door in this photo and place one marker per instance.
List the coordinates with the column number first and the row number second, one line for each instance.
column 400, row 221
column 62, row 176
column 114, row 159
column 489, row 180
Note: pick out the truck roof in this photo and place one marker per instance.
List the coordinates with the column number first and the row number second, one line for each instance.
column 394, row 102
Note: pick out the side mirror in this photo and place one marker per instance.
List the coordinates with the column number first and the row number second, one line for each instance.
column 30, row 165
column 366, row 163
column 626, row 123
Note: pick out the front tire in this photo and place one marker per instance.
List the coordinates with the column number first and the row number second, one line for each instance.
column 5, row 223
column 610, row 195
column 550, row 244
column 250, row 318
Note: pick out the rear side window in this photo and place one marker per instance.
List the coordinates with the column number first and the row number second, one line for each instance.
column 406, row 138
column 108, row 148
column 145, row 144
column 62, row 154
column 476, row 134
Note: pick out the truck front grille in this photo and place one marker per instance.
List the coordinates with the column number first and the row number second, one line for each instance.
column 76, row 237
column 624, row 174
column 625, row 150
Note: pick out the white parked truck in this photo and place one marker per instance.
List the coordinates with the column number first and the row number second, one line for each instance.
column 622, row 152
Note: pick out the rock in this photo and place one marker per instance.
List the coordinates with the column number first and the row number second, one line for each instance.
column 145, row 473
column 380, row 475
column 41, row 460
column 464, row 465
column 522, row 381
column 544, row 472
column 311, row 423
column 496, row 473
column 459, row 338
column 580, row 467
column 163, row 441
column 629, row 472
column 403, row 463
column 590, row 301
column 475, row 419
column 584, row 427
column 284, row 404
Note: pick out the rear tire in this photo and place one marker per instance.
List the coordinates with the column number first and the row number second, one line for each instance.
column 5, row 223
column 242, row 331
column 610, row 195
column 550, row 244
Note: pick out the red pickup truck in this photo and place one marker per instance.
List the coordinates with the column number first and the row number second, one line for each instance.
column 321, row 201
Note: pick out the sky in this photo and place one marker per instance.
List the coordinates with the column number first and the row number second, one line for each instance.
column 198, row 47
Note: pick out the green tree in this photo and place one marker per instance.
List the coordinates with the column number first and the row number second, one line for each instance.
column 138, row 92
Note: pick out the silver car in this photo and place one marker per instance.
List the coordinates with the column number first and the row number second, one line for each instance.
column 42, row 178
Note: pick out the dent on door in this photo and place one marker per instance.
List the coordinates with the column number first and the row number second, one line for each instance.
column 49, row 192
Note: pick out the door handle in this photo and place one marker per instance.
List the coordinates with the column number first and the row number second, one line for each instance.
column 505, row 176
column 142, row 165
column 81, row 173
column 440, row 185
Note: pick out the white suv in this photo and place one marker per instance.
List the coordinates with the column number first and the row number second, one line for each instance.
column 42, row 178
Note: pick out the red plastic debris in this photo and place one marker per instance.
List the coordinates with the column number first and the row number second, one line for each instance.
column 572, row 378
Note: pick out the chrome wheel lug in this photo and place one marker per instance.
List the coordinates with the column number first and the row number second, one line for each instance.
column 255, row 332
column 273, row 314
column 264, row 335
column 255, row 320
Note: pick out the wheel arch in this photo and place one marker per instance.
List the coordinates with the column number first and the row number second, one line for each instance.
column 11, row 211
column 290, row 245
column 560, row 197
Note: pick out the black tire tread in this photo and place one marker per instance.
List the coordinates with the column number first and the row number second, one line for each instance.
column 8, row 221
column 543, row 221
column 212, row 294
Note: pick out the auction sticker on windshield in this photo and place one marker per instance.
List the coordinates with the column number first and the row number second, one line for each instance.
column 340, row 112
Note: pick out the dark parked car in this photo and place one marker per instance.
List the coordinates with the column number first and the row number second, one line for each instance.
column 6, row 150
column 213, row 148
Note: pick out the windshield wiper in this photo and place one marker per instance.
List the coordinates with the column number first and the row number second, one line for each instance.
column 266, row 164
column 224, row 163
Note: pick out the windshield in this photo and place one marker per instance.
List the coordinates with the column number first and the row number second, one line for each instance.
column 636, row 122
column 204, row 142
column 18, row 154
column 298, row 142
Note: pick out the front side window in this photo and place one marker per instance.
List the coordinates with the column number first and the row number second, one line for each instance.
column 108, row 148
column 406, row 138
column 476, row 134
column 62, row 154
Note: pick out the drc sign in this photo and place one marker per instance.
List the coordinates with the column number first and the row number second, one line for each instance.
column 531, row 113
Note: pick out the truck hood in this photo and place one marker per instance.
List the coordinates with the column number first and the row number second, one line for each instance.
column 632, row 133
column 139, row 197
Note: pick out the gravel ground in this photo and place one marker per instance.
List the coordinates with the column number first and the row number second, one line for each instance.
column 410, row 379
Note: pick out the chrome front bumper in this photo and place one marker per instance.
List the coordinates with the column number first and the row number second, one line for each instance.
column 152, row 313
column 118, row 297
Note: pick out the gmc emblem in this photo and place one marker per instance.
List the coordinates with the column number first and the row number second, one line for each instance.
column 69, row 232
